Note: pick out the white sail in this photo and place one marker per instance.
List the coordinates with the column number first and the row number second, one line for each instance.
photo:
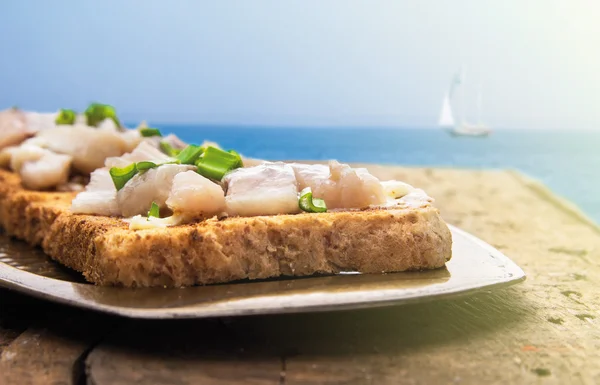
column 446, row 118
column 453, row 114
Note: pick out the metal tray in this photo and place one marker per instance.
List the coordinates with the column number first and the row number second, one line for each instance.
column 475, row 265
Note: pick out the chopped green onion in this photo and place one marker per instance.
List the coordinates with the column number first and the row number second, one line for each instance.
column 154, row 211
column 168, row 149
column 309, row 204
column 241, row 164
column 144, row 166
column 146, row 132
column 190, row 154
column 96, row 113
column 121, row 175
column 216, row 163
column 65, row 117
column 147, row 165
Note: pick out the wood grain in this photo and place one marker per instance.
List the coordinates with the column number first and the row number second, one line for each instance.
column 12, row 322
column 49, row 341
column 181, row 353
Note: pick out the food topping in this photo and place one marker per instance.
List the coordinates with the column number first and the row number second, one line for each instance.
column 153, row 185
column 65, row 117
column 215, row 163
column 195, row 196
column 88, row 140
column 268, row 189
column 309, row 204
column 147, row 132
column 154, row 210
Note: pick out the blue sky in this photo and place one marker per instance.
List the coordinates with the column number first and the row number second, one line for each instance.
column 305, row 62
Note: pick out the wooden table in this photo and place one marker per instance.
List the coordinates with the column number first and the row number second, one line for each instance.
column 544, row 331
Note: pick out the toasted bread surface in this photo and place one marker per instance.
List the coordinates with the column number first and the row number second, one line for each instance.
column 214, row 251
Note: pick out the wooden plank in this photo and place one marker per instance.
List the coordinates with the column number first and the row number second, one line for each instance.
column 12, row 320
column 180, row 353
column 50, row 351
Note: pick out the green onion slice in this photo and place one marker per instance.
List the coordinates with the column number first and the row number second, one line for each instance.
column 240, row 164
column 65, row 117
column 154, row 211
column 309, row 204
column 121, row 175
column 98, row 112
column 216, row 163
column 145, row 166
column 190, row 154
column 168, row 149
column 146, row 132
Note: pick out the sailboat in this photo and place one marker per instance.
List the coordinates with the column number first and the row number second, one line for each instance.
column 462, row 127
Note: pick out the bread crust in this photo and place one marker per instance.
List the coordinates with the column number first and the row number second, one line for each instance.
column 230, row 249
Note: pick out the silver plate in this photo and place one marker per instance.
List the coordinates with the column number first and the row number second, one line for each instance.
column 475, row 265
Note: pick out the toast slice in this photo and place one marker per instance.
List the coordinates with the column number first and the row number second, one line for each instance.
column 107, row 252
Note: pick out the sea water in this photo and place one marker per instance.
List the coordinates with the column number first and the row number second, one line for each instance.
column 567, row 161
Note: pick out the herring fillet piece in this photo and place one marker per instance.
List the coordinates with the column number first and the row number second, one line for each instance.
column 99, row 196
column 13, row 127
column 48, row 171
column 267, row 189
column 145, row 151
column 195, row 196
column 154, row 185
column 340, row 185
column 88, row 146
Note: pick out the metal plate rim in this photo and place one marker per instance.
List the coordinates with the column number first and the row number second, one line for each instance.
column 14, row 278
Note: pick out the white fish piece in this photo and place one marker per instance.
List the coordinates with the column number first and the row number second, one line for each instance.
column 25, row 153
column 13, row 127
column 100, row 180
column 340, row 185
column 318, row 178
column 40, row 121
column 132, row 139
column 50, row 170
column 310, row 175
column 396, row 189
column 154, row 185
column 145, row 151
column 88, row 146
column 358, row 188
column 96, row 202
column 195, row 196
column 99, row 196
column 267, row 189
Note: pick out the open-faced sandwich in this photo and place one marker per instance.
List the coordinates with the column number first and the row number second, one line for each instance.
column 162, row 213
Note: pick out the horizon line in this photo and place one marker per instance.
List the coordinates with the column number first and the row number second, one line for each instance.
column 341, row 126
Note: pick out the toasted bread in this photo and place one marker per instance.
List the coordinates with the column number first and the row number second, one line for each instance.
column 107, row 252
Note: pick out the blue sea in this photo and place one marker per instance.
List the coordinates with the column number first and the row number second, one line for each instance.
column 568, row 161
